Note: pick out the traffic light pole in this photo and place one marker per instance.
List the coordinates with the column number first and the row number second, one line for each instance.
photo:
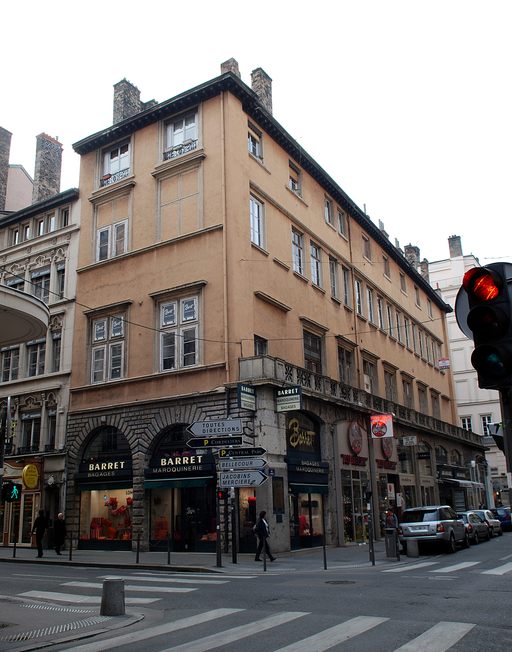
column 506, row 421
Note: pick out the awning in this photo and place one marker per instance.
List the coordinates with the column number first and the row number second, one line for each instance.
column 309, row 488
column 177, row 483
column 467, row 484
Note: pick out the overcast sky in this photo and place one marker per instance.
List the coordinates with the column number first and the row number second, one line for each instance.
column 406, row 104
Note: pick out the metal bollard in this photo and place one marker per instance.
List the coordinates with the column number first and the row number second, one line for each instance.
column 413, row 549
column 112, row 598
column 71, row 547
column 168, row 549
column 138, row 547
column 14, row 549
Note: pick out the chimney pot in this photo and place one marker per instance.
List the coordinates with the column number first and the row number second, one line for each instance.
column 231, row 65
column 455, row 246
column 47, row 168
column 262, row 86
column 126, row 101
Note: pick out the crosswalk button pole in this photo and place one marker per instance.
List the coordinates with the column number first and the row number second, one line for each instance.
column 112, row 598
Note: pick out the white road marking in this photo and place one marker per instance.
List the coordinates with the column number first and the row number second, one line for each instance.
column 499, row 570
column 133, row 587
column 438, row 638
column 455, row 567
column 236, row 633
column 150, row 632
column 212, row 575
column 79, row 599
column 403, row 569
column 167, row 580
column 334, row 635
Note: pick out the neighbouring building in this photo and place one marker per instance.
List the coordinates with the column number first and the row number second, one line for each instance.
column 476, row 408
column 222, row 274
column 38, row 253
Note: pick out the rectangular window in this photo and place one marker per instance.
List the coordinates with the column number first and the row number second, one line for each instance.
column 316, row 264
column 417, row 295
column 15, row 236
column 422, row 399
column 112, row 240
column 403, row 285
column 40, row 284
column 407, row 332
column 415, row 339
column 36, row 352
column 116, row 164
column 371, row 308
column 294, row 179
column 256, row 217
column 486, row 420
column 359, row 297
column 370, row 376
column 56, row 349
column 380, row 313
column 179, row 323
column 390, row 384
column 254, row 143
column 40, row 227
column 181, row 135
column 333, row 275
column 51, row 427
column 385, row 265
column 436, row 408
column 298, row 252
column 107, row 351
column 10, row 364
column 51, row 222
column 466, row 423
column 61, row 279
column 389, row 314
column 30, row 433
column 347, row 294
column 429, row 308
column 312, row 352
column 346, row 365
column 367, row 249
column 260, row 345
column 342, row 223
column 26, row 232
column 422, row 343
column 64, row 217
column 328, row 214
column 398, row 317
column 407, row 392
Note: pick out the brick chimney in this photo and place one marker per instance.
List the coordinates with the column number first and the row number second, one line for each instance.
column 424, row 270
column 126, row 101
column 262, row 86
column 455, row 246
column 5, row 149
column 231, row 65
column 47, row 168
column 412, row 255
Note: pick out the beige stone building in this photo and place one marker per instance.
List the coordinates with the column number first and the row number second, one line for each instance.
column 224, row 276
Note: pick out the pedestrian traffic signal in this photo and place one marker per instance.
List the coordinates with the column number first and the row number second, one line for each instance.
column 487, row 316
column 11, row 492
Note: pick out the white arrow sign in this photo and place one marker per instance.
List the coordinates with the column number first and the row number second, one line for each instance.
column 241, row 463
column 216, row 427
column 241, row 479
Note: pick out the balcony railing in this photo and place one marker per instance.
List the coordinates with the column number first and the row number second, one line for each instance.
column 179, row 150
column 107, row 179
column 275, row 370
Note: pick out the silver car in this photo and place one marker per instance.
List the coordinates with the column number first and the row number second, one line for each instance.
column 493, row 523
column 436, row 523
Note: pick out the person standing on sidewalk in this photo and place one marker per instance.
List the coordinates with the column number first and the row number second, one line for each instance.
column 59, row 532
column 39, row 528
column 262, row 531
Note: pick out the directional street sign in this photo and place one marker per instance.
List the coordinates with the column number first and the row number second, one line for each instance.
column 241, row 452
column 213, row 442
column 216, row 427
column 241, row 463
column 241, row 479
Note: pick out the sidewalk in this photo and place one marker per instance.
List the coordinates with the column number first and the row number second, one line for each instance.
column 33, row 624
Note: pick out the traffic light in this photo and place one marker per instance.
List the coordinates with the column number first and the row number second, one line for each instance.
column 488, row 318
column 11, row 492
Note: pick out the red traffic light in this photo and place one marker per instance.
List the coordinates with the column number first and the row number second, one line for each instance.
column 482, row 283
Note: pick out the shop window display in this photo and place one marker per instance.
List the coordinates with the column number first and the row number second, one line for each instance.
column 106, row 515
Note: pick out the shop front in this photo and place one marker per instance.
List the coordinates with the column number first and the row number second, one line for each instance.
column 180, row 490
column 354, row 483
column 105, row 482
column 388, row 484
column 307, row 481
column 19, row 515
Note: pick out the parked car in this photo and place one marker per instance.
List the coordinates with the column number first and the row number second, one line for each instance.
column 491, row 521
column 435, row 523
column 476, row 528
column 503, row 515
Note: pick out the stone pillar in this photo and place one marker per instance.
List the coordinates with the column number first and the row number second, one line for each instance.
column 262, row 86
column 231, row 65
column 47, row 169
column 455, row 245
column 126, row 101
column 5, row 148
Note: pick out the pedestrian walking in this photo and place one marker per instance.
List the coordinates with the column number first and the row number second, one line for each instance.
column 39, row 528
column 59, row 532
column 262, row 531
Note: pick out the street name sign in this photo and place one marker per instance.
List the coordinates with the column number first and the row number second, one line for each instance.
column 214, row 442
column 241, row 479
column 241, row 463
column 216, row 427
column 242, row 452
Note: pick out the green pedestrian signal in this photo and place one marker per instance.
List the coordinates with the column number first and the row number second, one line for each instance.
column 11, row 492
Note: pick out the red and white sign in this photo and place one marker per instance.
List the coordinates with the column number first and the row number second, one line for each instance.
column 381, row 425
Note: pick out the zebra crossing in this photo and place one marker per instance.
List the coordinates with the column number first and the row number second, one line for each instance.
column 230, row 626
column 427, row 566
column 89, row 593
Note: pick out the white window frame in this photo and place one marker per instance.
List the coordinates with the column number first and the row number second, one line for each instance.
column 389, row 314
column 347, row 287
column 334, row 278
column 116, row 163
column 367, row 247
column 315, row 253
column 380, row 313
column 358, row 297
column 179, row 333
column 257, row 221
column 466, row 423
column 370, row 303
column 485, row 420
column 398, row 321
column 407, row 333
column 113, row 240
column 107, row 348
column 328, row 211
column 386, row 267
column 298, row 252
column 342, row 223
column 36, row 358
column 40, row 283
column 10, row 370
column 180, row 137
column 294, row 179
